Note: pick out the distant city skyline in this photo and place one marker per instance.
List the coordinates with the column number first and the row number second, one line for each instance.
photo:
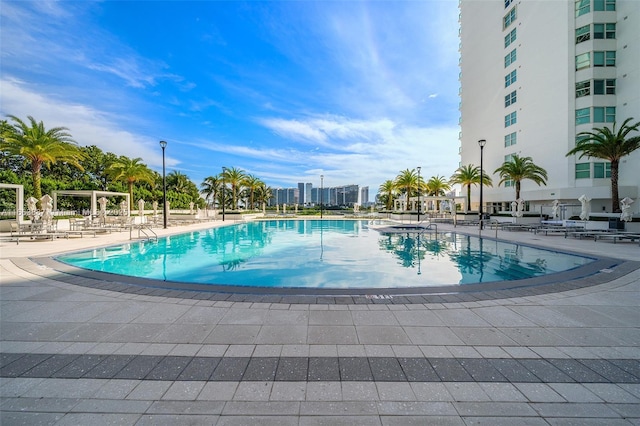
column 341, row 195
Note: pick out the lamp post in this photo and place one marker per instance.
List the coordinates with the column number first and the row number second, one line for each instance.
column 321, row 193
column 481, row 143
column 224, row 191
column 419, row 168
column 163, row 145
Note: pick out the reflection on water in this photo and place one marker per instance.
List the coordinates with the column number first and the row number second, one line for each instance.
column 328, row 254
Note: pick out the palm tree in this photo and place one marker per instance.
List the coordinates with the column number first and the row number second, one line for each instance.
column 211, row 187
column 251, row 184
column 469, row 175
column 234, row 177
column 39, row 146
column 609, row 145
column 408, row 182
column 263, row 193
column 437, row 186
column 130, row 171
column 518, row 169
column 388, row 190
column 178, row 182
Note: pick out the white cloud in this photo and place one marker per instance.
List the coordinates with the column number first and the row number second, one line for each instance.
column 87, row 125
column 295, row 129
column 352, row 151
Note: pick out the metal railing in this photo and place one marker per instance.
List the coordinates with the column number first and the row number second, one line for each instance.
column 142, row 229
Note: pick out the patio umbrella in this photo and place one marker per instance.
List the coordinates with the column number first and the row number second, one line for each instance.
column 586, row 206
column 625, row 205
column 520, row 211
column 141, row 209
column 32, row 208
column 47, row 207
column 103, row 209
column 554, row 209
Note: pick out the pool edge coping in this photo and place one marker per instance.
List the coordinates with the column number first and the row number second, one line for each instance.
column 600, row 271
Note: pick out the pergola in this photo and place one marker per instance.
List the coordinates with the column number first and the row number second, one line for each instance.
column 19, row 199
column 400, row 203
column 91, row 194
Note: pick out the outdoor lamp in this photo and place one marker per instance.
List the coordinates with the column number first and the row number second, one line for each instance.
column 163, row 145
column 481, row 143
column 419, row 168
column 321, row 195
column 224, row 192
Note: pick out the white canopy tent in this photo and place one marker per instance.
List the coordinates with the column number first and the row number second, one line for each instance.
column 91, row 194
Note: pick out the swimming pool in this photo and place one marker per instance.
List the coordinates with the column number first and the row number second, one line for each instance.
column 324, row 254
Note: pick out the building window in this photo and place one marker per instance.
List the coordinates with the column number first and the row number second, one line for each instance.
column 583, row 170
column 583, row 61
column 583, row 116
column 600, row 87
column 507, row 3
column 510, row 58
column 583, row 34
column 604, row 87
column 582, row 7
column 604, row 5
column 508, row 182
column 602, row 31
column 510, row 78
column 511, row 119
column 510, row 38
column 510, row 99
column 604, row 59
column 583, row 88
column 510, row 139
column 604, row 114
column 601, row 170
column 509, row 18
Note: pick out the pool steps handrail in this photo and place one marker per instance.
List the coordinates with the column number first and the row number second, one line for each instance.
column 143, row 228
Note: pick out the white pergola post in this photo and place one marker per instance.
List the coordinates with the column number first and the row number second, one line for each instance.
column 19, row 200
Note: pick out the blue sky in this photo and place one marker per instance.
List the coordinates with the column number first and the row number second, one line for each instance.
column 285, row 90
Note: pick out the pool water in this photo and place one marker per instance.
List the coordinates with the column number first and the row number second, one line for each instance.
column 332, row 254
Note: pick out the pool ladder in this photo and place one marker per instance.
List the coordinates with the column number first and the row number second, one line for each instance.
column 430, row 226
column 143, row 229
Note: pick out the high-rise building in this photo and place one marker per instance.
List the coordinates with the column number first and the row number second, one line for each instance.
column 534, row 74
column 284, row 196
column 301, row 198
column 364, row 195
column 307, row 193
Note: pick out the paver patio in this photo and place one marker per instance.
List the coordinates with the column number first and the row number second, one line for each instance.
column 75, row 353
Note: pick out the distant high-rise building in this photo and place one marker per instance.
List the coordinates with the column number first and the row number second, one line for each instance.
column 307, row 193
column 364, row 195
column 302, row 193
column 534, row 74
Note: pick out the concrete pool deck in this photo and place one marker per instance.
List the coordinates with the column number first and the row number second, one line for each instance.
column 73, row 354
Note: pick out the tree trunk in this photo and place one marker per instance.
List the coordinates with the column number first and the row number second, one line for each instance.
column 131, row 195
column 468, row 198
column 615, row 197
column 517, row 190
column 36, row 166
